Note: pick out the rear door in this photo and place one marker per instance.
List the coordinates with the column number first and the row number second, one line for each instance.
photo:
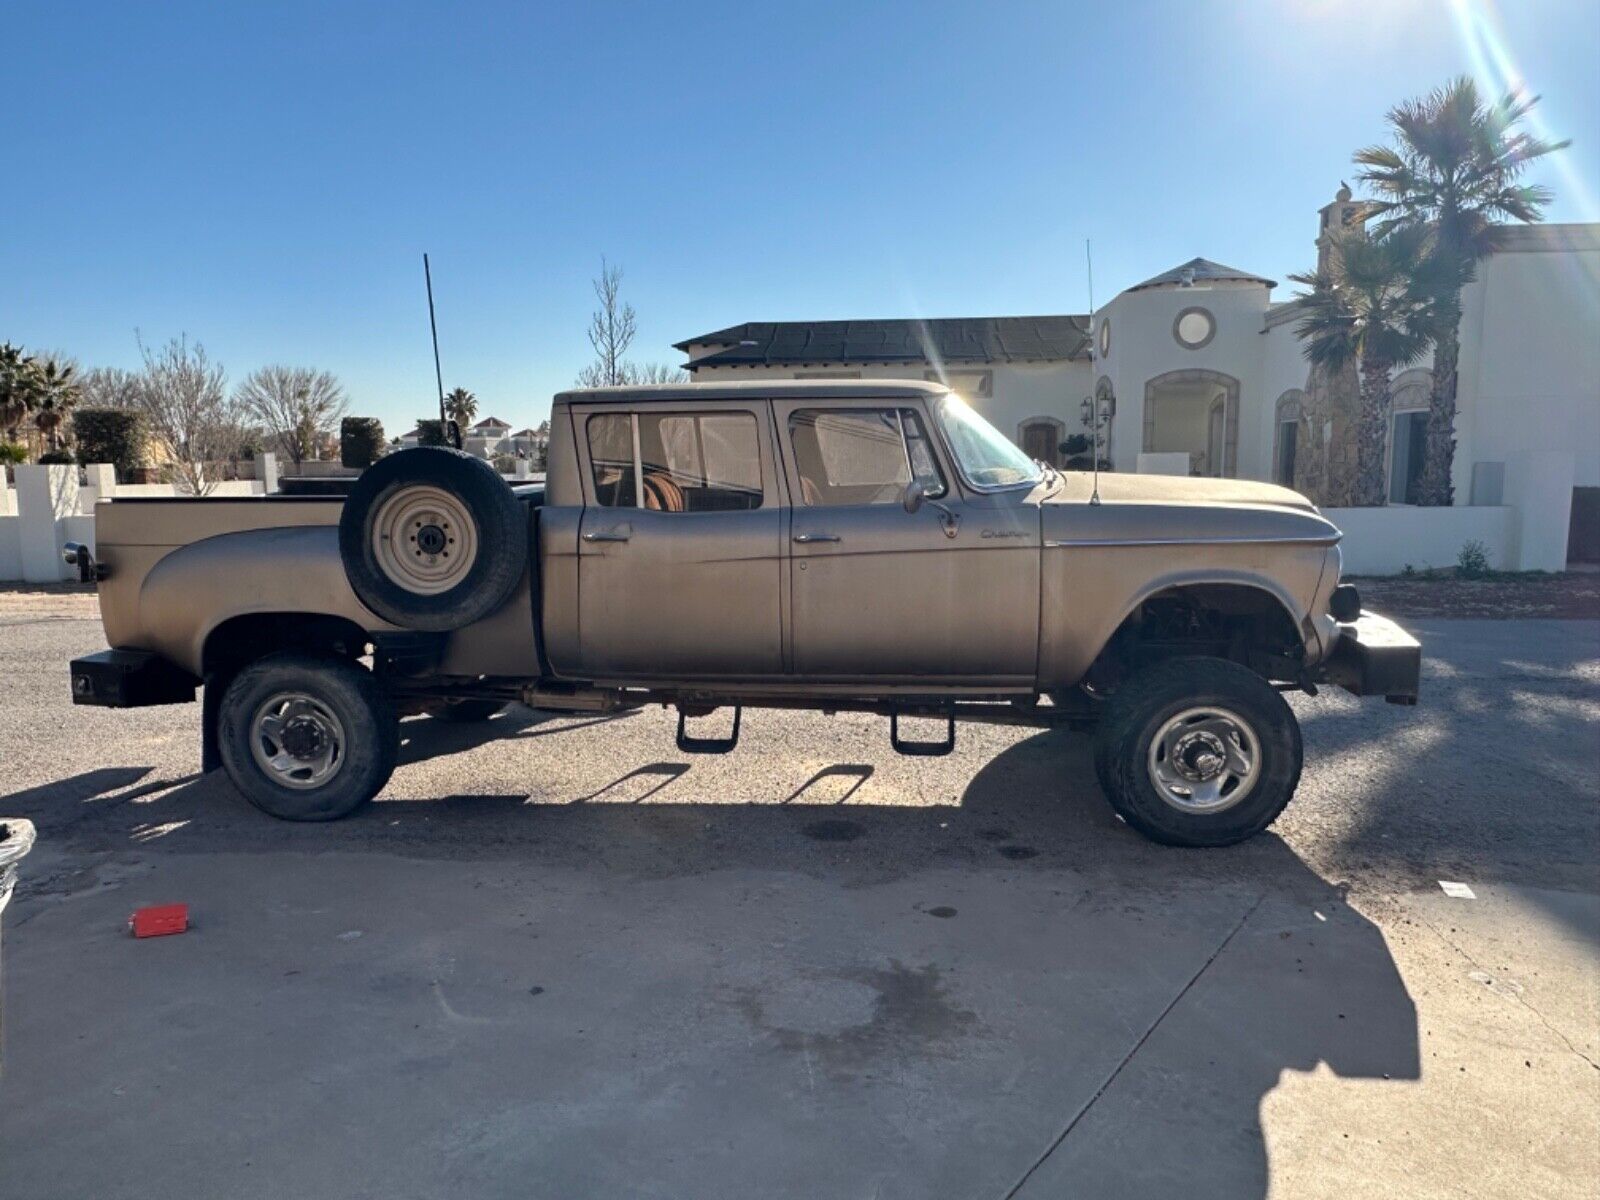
column 882, row 594
column 681, row 543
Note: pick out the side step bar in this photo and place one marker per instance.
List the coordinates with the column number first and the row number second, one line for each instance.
column 699, row 745
column 923, row 749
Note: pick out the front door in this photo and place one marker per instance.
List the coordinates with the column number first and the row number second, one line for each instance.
column 879, row 593
column 680, row 546
column 1041, row 441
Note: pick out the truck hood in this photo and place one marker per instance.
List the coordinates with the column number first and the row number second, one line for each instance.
column 1078, row 486
column 1166, row 509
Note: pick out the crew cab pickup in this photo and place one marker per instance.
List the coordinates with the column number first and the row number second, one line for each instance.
column 843, row 545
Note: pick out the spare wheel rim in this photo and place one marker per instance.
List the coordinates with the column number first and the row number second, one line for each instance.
column 424, row 539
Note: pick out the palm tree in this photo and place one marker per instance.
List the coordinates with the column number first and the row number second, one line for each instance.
column 1376, row 304
column 1454, row 169
column 56, row 393
column 18, row 374
column 461, row 406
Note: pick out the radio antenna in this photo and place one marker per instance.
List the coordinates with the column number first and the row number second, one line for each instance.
column 438, row 376
column 1094, row 392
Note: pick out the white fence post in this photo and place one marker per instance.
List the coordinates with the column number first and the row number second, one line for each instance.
column 45, row 496
column 268, row 462
column 100, row 483
column 1539, row 484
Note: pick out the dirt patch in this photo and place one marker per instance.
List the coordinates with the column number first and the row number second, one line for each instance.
column 1575, row 596
column 34, row 601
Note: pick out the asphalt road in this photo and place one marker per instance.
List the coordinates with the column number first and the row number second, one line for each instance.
column 558, row 957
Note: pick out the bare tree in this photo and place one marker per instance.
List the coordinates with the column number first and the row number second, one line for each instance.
column 185, row 401
column 110, row 387
column 611, row 330
column 299, row 407
column 656, row 372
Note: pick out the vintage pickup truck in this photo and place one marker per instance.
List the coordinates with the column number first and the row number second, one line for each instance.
column 840, row 545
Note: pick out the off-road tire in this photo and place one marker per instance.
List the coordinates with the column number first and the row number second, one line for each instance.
column 1139, row 709
column 489, row 538
column 346, row 690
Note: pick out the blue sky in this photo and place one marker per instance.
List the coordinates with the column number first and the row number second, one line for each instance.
column 265, row 178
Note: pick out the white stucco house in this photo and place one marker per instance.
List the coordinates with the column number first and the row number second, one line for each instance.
column 492, row 438
column 1203, row 373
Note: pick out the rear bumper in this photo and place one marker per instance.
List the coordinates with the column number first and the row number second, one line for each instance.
column 129, row 679
column 1375, row 657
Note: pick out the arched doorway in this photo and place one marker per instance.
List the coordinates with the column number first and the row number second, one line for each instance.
column 1194, row 412
column 1041, row 438
column 1286, row 435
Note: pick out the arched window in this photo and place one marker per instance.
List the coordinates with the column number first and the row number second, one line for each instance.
column 1408, row 434
column 1286, row 435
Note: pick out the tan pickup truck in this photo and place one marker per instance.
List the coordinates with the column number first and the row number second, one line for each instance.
column 844, row 545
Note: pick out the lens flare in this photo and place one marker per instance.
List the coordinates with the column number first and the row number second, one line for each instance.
column 1483, row 38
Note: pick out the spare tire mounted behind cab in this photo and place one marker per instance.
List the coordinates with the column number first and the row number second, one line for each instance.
column 432, row 539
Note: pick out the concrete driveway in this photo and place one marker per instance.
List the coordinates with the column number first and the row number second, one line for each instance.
column 565, row 960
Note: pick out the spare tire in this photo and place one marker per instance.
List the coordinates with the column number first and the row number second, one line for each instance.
column 432, row 539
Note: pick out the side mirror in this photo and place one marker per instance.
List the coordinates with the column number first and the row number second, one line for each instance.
column 915, row 494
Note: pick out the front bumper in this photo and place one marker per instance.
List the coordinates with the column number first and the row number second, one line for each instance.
column 1375, row 657
column 129, row 679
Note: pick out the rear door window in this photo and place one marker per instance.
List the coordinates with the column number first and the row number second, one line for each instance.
column 676, row 462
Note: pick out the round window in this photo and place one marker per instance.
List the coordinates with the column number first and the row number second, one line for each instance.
column 1194, row 328
column 1105, row 336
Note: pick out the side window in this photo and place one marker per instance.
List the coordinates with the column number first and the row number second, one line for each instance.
column 861, row 455
column 688, row 462
column 611, row 456
column 700, row 462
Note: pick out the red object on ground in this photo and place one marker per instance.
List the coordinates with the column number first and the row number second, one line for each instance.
column 159, row 920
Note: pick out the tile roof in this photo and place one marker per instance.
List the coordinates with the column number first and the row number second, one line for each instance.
column 947, row 339
column 1205, row 271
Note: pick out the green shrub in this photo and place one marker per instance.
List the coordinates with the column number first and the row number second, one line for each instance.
column 12, row 454
column 57, row 458
column 431, row 433
column 360, row 441
column 1473, row 561
column 110, row 435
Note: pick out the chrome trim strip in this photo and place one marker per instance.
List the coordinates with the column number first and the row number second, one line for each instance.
column 1328, row 539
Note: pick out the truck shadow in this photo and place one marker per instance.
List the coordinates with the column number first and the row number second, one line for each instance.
column 1187, row 982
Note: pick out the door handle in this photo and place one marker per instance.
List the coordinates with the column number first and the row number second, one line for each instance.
column 608, row 535
column 805, row 539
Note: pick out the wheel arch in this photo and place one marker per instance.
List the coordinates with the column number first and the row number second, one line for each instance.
column 260, row 574
column 1245, row 599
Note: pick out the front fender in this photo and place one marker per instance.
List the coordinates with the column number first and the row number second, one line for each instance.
column 1101, row 562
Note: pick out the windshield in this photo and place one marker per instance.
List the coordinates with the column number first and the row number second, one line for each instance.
column 986, row 455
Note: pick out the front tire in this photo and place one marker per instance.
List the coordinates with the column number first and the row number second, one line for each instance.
column 307, row 737
column 1198, row 752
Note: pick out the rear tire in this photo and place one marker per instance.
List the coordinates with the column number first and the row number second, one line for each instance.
column 432, row 539
column 307, row 737
column 1198, row 752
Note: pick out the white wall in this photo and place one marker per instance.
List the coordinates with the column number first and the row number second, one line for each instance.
column 1530, row 353
column 1143, row 347
column 1384, row 541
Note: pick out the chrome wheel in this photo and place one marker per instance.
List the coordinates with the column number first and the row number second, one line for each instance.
column 297, row 740
column 1204, row 760
column 424, row 539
